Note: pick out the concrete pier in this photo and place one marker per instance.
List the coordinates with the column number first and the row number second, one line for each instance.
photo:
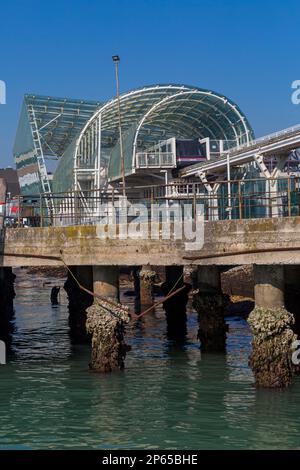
column 271, row 325
column 175, row 307
column 105, row 322
column 79, row 301
column 210, row 303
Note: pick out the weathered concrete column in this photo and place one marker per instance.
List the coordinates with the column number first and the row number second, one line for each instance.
column 7, row 294
column 210, row 303
column 271, row 325
column 105, row 322
column 147, row 278
column 79, row 301
column 175, row 307
column 106, row 282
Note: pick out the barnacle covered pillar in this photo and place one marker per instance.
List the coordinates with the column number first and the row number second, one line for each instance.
column 210, row 302
column 147, row 278
column 175, row 307
column 271, row 325
column 106, row 319
column 79, row 301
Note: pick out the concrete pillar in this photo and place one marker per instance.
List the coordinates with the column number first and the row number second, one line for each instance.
column 106, row 321
column 147, row 278
column 175, row 307
column 79, row 301
column 271, row 325
column 210, row 303
column 269, row 286
column 106, row 282
column 3, row 190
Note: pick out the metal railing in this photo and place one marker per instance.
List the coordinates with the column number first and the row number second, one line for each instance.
column 222, row 200
column 289, row 131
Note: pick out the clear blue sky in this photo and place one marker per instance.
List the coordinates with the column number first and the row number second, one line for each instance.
column 248, row 50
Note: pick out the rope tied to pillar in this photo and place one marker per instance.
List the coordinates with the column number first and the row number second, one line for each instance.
column 115, row 308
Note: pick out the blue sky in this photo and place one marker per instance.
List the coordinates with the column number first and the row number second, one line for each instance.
column 248, row 50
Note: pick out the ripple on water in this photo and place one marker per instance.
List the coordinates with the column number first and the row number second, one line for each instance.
column 170, row 396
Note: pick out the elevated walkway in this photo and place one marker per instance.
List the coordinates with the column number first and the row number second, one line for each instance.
column 279, row 143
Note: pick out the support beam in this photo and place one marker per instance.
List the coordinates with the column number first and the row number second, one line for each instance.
column 212, row 190
column 271, row 325
column 271, row 182
column 105, row 322
column 210, row 303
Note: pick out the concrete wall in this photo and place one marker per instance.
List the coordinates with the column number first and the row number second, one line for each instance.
column 81, row 246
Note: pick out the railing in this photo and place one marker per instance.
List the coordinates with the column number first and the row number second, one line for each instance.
column 289, row 131
column 241, row 199
column 155, row 160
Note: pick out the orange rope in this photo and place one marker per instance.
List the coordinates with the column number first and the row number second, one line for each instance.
column 119, row 306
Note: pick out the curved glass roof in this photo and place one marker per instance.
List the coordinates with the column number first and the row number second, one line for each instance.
column 162, row 111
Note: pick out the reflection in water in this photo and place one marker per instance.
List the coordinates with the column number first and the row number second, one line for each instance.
column 169, row 396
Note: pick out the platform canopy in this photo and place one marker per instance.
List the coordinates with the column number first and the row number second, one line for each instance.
column 83, row 136
column 154, row 113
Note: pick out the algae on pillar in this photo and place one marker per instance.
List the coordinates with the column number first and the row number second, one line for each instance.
column 106, row 322
column 210, row 303
column 271, row 325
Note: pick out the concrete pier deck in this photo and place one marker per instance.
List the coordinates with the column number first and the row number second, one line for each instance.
column 226, row 242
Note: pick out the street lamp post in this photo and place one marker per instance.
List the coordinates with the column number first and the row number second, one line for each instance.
column 116, row 60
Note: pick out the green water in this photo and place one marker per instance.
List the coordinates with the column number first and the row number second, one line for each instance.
column 169, row 396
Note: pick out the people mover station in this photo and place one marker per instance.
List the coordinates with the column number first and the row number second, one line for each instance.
column 181, row 141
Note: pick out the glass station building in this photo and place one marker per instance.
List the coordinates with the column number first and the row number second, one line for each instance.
column 66, row 144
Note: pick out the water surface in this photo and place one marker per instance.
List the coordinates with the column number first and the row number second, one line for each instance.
column 169, row 396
